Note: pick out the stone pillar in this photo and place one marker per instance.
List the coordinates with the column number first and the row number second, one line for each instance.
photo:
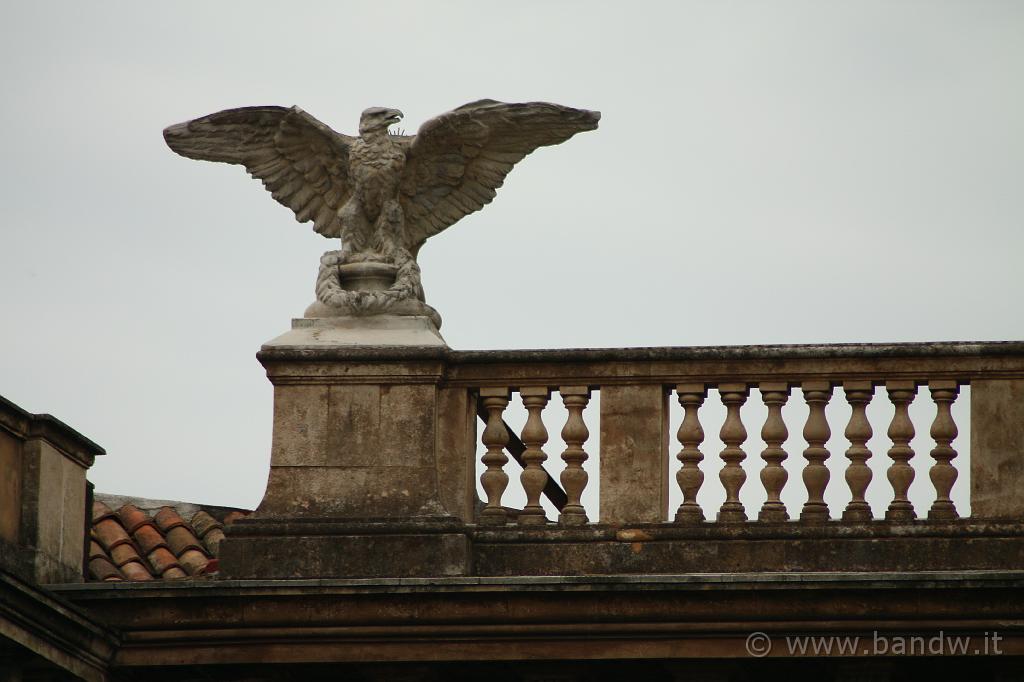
column 43, row 511
column 997, row 449
column 371, row 460
column 634, row 454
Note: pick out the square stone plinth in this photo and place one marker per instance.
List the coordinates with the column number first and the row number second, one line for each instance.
column 371, row 458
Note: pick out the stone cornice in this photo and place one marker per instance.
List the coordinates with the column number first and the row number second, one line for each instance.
column 55, row 630
column 26, row 426
column 524, row 618
column 651, row 353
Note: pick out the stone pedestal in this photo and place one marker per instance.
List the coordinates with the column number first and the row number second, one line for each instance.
column 366, row 476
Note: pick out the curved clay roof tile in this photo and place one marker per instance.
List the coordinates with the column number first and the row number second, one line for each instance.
column 132, row 517
column 130, row 545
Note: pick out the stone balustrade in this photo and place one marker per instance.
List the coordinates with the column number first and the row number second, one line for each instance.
column 639, row 460
column 423, row 461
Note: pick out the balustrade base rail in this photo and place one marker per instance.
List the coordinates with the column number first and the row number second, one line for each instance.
column 444, row 547
column 260, row 547
column 651, row 549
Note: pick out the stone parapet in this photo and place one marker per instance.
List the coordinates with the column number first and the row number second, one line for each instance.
column 376, row 446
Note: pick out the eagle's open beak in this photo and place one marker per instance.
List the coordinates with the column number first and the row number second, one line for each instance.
column 394, row 116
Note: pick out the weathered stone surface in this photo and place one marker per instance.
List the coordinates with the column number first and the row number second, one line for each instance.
column 456, row 452
column 42, row 495
column 997, row 449
column 343, row 331
column 300, row 425
column 634, row 454
column 352, row 439
column 970, row 351
column 39, row 629
column 661, row 549
column 407, row 551
column 381, row 426
column 560, row 618
column 10, row 487
column 359, row 492
column 54, row 522
column 355, row 441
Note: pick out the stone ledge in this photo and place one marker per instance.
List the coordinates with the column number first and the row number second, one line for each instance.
column 684, row 581
column 375, row 331
column 751, row 352
column 335, row 548
column 645, row 353
column 408, row 554
column 25, row 425
column 750, row 530
column 550, row 618
column 52, row 628
column 294, row 527
column 887, row 553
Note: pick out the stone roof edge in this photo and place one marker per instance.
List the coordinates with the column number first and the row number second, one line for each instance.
column 184, row 509
column 26, row 425
column 748, row 352
column 562, row 583
column 61, row 632
column 641, row 353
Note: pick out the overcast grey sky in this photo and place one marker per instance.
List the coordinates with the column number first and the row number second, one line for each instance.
column 764, row 172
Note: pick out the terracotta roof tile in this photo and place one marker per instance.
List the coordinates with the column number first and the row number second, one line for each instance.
column 132, row 517
column 167, row 519
column 203, row 523
column 212, row 540
column 162, row 560
column 129, row 544
column 194, row 561
column 136, row 570
column 174, row 573
column 111, row 533
column 122, row 554
column 148, row 538
column 181, row 539
column 100, row 511
column 101, row 569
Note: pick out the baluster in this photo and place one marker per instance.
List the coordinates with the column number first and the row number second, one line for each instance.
column 774, row 433
column 943, row 473
column 495, row 437
column 534, row 436
column 732, row 434
column 858, row 432
column 690, row 436
column 574, row 433
column 816, row 433
column 901, row 432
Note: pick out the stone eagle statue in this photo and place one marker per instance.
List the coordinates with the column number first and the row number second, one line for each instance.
column 383, row 194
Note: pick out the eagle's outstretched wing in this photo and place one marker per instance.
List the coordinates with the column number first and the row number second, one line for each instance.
column 301, row 161
column 457, row 160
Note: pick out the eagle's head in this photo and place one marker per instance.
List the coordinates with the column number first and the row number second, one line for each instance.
column 377, row 120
